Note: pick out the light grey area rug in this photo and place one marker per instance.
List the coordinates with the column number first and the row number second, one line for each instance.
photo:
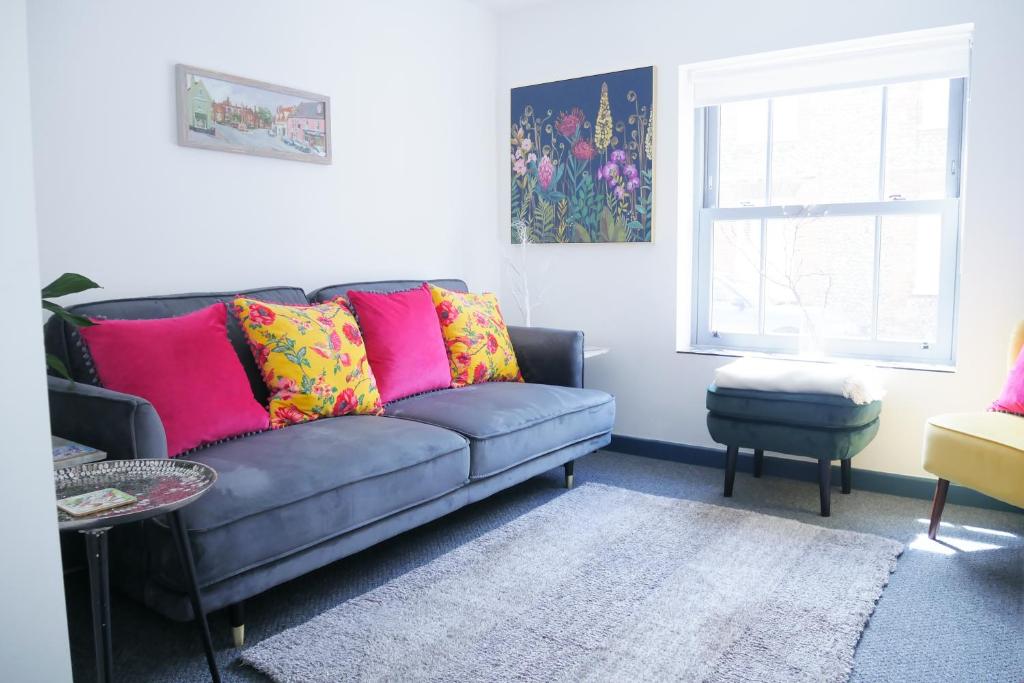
column 605, row 583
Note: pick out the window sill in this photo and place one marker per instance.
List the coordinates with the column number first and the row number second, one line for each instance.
column 894, row 364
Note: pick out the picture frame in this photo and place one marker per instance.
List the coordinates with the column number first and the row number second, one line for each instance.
column 227, row 113
column 582, row 159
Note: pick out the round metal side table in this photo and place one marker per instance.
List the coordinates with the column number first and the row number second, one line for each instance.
column 162, row 487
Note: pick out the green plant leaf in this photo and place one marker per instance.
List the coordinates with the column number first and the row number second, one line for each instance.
column 58, row 366
column 68, row 283
column 66, row 315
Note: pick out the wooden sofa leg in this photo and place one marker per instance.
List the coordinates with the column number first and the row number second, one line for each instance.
column 731, row 454
column 569, row 473
column 237, row 615
column 825, row 485
column 758, row 462
column 847, row 471
column 938, row 502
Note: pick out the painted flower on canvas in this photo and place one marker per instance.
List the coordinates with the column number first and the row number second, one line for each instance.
column 582, row 161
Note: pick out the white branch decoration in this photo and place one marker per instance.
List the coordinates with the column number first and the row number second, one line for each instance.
column 521, row 273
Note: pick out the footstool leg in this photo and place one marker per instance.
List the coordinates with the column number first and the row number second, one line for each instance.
column 731, row 453
column 825, row 485
column 758, row 462
column 847, row 474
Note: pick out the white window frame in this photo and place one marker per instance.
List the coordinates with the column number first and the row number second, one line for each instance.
column 940, row 352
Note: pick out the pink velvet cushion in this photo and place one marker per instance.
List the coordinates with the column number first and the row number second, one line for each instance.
column 403, row 342
column 1012, row 398
column 185, row 367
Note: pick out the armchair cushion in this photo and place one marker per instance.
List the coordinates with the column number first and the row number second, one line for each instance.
column 984, row 451
column 1011, row 400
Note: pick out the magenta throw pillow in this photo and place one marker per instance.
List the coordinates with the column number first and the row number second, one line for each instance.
column 403, row 342
column 1012, row 398
column 185, row 366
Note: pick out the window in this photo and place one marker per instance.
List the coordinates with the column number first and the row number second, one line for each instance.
column 830, row 217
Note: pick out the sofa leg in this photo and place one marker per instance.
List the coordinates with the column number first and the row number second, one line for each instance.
column 237, row 616
column 569, row 473
column 731, row 453
column 758, row 462
column 847, row 472
column 938, row 502
column 825, row 485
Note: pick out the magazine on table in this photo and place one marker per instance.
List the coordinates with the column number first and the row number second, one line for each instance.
column 67, row 453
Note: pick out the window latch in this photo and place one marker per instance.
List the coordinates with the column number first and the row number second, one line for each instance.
column 714, row 333
column 897, row 198
column 925, row 346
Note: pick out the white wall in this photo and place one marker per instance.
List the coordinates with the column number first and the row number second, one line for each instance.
column 625, row 296
column 408, row 194
column 33, row 627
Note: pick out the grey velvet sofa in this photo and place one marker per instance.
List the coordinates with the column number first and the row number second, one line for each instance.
column 292, row 500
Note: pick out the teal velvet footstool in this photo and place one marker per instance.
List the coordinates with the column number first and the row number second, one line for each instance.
column 825, row 427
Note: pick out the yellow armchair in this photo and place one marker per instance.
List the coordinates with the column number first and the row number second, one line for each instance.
column 983, row 451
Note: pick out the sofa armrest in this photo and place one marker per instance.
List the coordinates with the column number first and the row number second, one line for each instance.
column 549, row 356
column 125, row 426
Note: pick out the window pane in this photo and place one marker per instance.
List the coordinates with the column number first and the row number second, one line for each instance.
column 819, row 277
column 743, row 153
column 826, row 147
column 736, row 265
column 917, row 122
column 908, row 283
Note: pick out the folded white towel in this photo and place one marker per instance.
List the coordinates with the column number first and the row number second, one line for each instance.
column 860, row 384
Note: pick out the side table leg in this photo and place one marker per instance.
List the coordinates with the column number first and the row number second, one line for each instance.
column 180, row 534
column 99, row 591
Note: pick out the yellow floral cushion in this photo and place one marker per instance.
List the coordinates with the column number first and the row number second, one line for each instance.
column 312, row 359
column 479, row 348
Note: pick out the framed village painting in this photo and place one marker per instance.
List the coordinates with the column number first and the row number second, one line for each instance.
column 582, row 159
column 234, row 114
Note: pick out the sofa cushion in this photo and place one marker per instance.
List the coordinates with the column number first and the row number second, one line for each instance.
column 476, row 337
column 313, row 360
column 380, row 286
column 64, row 340
column 806, row 410
column 403, row 341
column 284, row 490
column 508, row 423
column 186, row 368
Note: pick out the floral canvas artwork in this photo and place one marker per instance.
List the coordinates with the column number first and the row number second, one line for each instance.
column 582, row 158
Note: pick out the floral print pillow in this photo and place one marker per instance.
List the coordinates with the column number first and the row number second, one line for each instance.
column 312, row 359
column 479, row 348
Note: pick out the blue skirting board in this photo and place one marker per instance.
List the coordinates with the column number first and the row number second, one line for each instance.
column 803, row 470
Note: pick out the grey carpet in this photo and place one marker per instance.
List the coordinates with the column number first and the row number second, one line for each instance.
column 605, row 583
column 953, row 611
